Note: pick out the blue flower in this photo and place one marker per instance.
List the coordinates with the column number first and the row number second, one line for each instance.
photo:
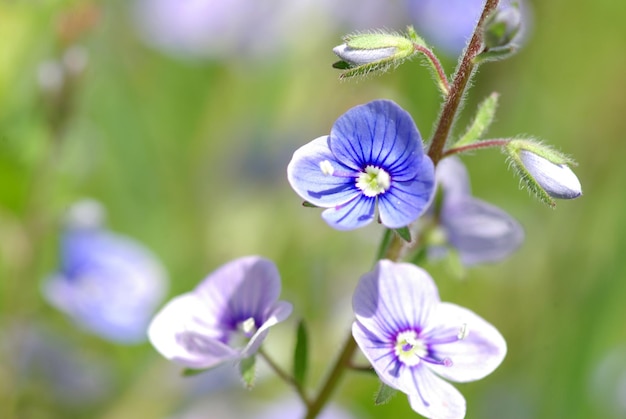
column 107, row 283
column 412, row 339
column 226, row 318
column 372, row 157
column 479, row 231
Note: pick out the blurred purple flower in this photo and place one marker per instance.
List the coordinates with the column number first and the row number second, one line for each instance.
column 226, row 318
column 412, row 339
column 449, row 24
column 480, row 232
column 107, row 283
column 372, row 158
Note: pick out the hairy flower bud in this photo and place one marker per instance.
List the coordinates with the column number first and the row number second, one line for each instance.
column 503, row 26
column 557, row 180
column 544, row 170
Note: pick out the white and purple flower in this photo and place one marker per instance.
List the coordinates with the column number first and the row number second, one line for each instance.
column 372, row 158
column 478, row 231
column 107, row 283
column 412, row 339
column 226, row 318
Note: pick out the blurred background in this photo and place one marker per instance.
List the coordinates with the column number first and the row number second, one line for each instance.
column 180, row 117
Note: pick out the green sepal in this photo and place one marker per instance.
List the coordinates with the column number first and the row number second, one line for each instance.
column 190, row 372
column 301, row 354
column 307, row 204
column 404, row 233
column 384, row 243
column 482, row 121
column 384, row 394
column 248, row 371
column 341, row 65
column 495, row 54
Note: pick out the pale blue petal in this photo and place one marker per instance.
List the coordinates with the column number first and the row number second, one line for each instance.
column 395, row 297
column 275, row 315
column 178, row 333
column 479, row 231
column 354, row 214
column 307, row 179
column 436, row 398
column 480, row 351
column 404, row 202
column 453, row 178
column 243, row 288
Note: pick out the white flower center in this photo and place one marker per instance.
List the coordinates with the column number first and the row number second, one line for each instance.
column 373, row 181
column 245, row 330
column 410, row 348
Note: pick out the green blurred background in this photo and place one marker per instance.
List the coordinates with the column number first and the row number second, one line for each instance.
column 189, row 157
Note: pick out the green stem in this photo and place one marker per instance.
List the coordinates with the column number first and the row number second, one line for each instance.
column 463, row 74
column 285, row 377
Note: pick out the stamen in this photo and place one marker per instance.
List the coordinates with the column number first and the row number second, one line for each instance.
column 463, row 332
column 327, row 168
column 248, row 326
column 373, row 181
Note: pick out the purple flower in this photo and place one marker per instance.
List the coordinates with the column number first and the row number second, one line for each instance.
column 107, row 283
column 480, row 232
column 372, row 157
column 226, row 318
column 412, row 339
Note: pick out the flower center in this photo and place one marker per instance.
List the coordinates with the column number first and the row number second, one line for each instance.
column 373, row 181
column 245, row 330
column 410, row 348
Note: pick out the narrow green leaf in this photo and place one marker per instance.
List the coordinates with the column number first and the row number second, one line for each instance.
column 385, row 393
column 384, row 243
column 483, row 119
column 307, row 204
column 189, row 372
column 341, row 65
column 301, row 354
column 405, row 233
column 248, row 371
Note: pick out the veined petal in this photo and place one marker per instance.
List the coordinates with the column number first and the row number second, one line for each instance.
column 436, row 398
column 243, row 288
column 380, row 353
column 314, row 185
column 351, row 215
column 406, row 201
column 378, row 133
column 177, row 334
column 480, row 231
column 478, row 353
column 394, row 297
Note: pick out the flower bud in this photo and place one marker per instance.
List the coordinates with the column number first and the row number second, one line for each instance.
column 502, row 26
column 544, row 170
column 365, row 52
column 557, row 180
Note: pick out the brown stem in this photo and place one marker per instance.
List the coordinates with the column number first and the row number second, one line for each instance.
column 441, row 75
column 498, row 142
column 462, row 76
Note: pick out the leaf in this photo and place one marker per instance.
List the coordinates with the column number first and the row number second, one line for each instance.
column 385, row 393
column 483, row 119
column 405, row 233
column 384, row 244
column 248, row 371
column 300, row 354
column 190, row 372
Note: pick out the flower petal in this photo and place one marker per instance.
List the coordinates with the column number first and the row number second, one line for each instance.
column 394, row 297
column 277, row 314
column 309, row 181
column 436, row 398
column 406, row 201
column 378, row 133
column 178, row 334
column 480, row 231
column 243, row 288
column 452, row 176
column 476, row 355
column 351, row 215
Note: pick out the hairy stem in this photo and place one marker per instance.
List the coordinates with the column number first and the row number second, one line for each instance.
column 444, row 85
column 463, row 74
column 285, row 377
column 497, row 142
